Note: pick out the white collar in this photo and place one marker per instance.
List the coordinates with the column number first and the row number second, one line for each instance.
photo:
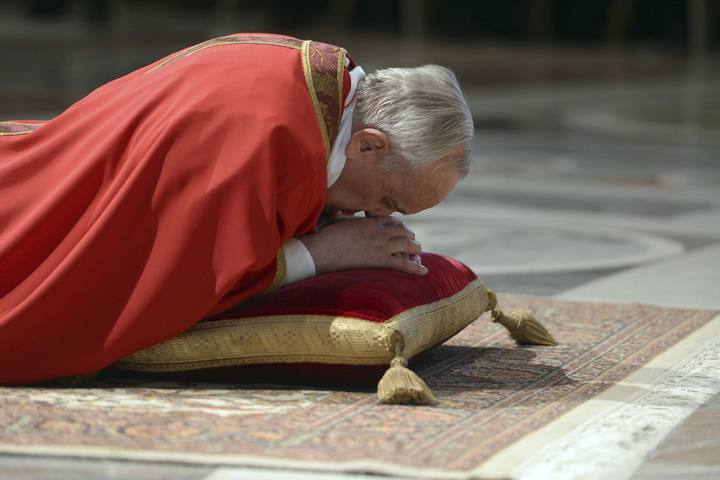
column 336, row 162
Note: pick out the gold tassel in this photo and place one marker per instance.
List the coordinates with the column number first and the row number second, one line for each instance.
column 521, row 325
column 401, row 386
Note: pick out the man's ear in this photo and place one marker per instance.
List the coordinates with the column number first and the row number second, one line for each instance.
column 370, row 141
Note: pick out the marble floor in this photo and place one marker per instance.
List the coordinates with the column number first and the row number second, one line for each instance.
column 604, row 188
column 579, row 193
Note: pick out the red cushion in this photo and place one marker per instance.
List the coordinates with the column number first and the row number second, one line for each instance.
column 371, row 294
column 374, row 295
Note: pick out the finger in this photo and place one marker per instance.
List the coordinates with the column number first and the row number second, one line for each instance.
column 395, row 222
column 398, row 230
column 404, row 245
column 410, row 256
column 411, row 234
column 385, row 220
column 407, row 266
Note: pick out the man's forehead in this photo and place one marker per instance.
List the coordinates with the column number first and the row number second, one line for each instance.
column 422, row 191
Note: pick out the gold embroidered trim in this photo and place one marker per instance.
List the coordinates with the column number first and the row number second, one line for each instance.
column 313, row 338
column 280, row 271
column 307, row 70
column 230, row 40
column 340, row 82
column 18, row 128
column 323, row 66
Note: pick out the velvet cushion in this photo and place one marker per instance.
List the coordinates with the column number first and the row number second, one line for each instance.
column 343, row 327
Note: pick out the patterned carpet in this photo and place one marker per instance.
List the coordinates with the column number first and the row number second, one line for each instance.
column 491, row 394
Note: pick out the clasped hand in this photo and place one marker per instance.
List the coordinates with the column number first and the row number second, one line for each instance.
column 372, row 242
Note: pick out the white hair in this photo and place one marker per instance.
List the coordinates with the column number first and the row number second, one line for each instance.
column 422, row 111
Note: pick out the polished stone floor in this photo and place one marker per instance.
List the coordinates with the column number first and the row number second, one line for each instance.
column 690, row 451
column 596, row 177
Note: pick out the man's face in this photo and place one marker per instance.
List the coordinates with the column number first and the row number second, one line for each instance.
column 364, row 185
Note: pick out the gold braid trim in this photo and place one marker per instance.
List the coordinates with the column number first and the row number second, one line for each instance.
column 18, row 128
column 313, row 338
column 340, row 80
column 280, row 271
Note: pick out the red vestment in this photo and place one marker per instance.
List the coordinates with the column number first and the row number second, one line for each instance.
column 159, row 199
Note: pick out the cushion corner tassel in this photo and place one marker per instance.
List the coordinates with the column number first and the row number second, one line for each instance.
column 522, row 326
column 400, row 385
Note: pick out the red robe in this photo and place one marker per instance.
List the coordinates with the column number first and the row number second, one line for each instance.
column 159, row 199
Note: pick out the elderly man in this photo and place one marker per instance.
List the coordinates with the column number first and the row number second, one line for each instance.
column 194, row 183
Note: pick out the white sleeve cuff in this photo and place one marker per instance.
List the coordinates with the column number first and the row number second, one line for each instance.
column 298, row 260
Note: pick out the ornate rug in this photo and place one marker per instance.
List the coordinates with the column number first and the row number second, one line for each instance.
column 496, row 402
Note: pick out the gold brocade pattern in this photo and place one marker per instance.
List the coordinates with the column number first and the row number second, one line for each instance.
column 324, row 65
column 18, row 128
column 313, row 338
